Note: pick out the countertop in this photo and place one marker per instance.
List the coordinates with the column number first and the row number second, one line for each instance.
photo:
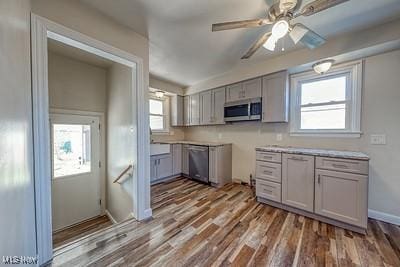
column 198, row 143
column 316, row 152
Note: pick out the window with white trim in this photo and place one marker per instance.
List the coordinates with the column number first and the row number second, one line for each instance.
column 159, row 117
column 328, row 104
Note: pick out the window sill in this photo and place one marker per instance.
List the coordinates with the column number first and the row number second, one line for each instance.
column 327, row 134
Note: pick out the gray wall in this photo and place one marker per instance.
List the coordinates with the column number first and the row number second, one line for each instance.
column 120, row 141
column 380, row 114
column 17, row 223
column 76, row 85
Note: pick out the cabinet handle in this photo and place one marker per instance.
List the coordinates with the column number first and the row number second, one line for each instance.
column 296, row 158
column 319, row 178
column 339, row 166
column 268, row 172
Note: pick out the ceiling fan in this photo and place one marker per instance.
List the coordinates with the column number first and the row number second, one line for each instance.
column 280, row 15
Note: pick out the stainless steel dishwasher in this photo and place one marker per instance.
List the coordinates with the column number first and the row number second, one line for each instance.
column 198, row 163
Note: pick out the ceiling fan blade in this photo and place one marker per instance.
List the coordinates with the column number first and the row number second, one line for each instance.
column 257, row 45
column 251, row 23
column 318, row 6
column 304, row 35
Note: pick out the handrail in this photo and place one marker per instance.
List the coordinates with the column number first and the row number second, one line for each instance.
column 123, row 173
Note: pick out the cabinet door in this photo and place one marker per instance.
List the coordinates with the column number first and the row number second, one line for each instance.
column 177, row 158
column 212, row 165
column 252, row 88
column 186, row 110
column 195, row 109
column 164, row 168
column 177, row 110
column 206, row 110
column 275, row 98
column 218, row 106
column 153, row 168
column 185, row 159
column 234, row 92
column 342, row 196
column 298, row 181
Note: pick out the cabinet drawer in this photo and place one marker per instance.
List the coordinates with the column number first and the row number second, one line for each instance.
column 268, row 171
column 342, row 165
column 269, row 156
column 268, row 190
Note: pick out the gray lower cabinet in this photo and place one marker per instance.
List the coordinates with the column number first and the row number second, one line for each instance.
column 160, row 167
column 298, row 181
column 176, row 159
column 275, row 97
column 342, row 196
column 185, row 159
column 220, row 165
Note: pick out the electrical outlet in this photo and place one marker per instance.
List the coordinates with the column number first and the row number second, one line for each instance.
column 220, row 136
column 378, row 139
column 279, row 137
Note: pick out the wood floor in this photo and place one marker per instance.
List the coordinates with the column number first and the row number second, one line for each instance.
column 196, row 225
column 80, row 230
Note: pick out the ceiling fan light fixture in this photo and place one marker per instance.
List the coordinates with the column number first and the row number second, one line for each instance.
column 270, row 43
column 280, row 29
column 323, row 66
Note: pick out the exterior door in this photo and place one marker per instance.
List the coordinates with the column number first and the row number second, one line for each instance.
column 75, row 150
column 298, row 181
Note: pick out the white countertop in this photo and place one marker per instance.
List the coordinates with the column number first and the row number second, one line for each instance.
column 316, row 152
column 198, row 143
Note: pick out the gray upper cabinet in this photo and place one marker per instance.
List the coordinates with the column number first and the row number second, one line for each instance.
column 218, row 105
column 186, row 110
column 206, row 107
column 298, row 181
column 252, row 88
column 234, row 92
column 177, row 111
column 243, row 90
column 275, row 98
column 212, row 106
column 195, row 109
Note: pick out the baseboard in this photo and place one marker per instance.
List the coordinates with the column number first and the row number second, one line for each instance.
column 110, row 217
column 386, row 217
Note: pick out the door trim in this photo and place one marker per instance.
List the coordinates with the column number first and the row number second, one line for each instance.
column 41, row 29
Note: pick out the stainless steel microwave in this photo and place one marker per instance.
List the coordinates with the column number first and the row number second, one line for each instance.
column 243, row 110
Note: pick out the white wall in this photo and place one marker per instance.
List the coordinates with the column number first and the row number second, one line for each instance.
column 17, row 223
column 120, row 141
column 380, row 114
column 76, row 85
column 176, row 133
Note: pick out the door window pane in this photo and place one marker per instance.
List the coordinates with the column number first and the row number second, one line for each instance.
column 322, row 91
column 323, row 117
column 71, row 149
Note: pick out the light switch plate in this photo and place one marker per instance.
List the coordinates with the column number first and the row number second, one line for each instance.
column 220, row 136
column 378, row 139
column 279, row 137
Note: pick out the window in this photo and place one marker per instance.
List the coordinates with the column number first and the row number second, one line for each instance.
column 159, row 119
column 71, row 149
column 328, row 104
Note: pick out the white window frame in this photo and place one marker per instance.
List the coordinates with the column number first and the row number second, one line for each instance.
column 353, row 71
column 166, row 114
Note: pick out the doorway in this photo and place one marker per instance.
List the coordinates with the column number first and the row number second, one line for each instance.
column 71, row 164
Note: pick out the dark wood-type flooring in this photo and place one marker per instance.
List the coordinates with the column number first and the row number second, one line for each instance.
column 80, row 230
column 196, row 225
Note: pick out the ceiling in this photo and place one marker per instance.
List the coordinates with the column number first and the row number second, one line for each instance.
column 184, row 50
column 77, row 54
